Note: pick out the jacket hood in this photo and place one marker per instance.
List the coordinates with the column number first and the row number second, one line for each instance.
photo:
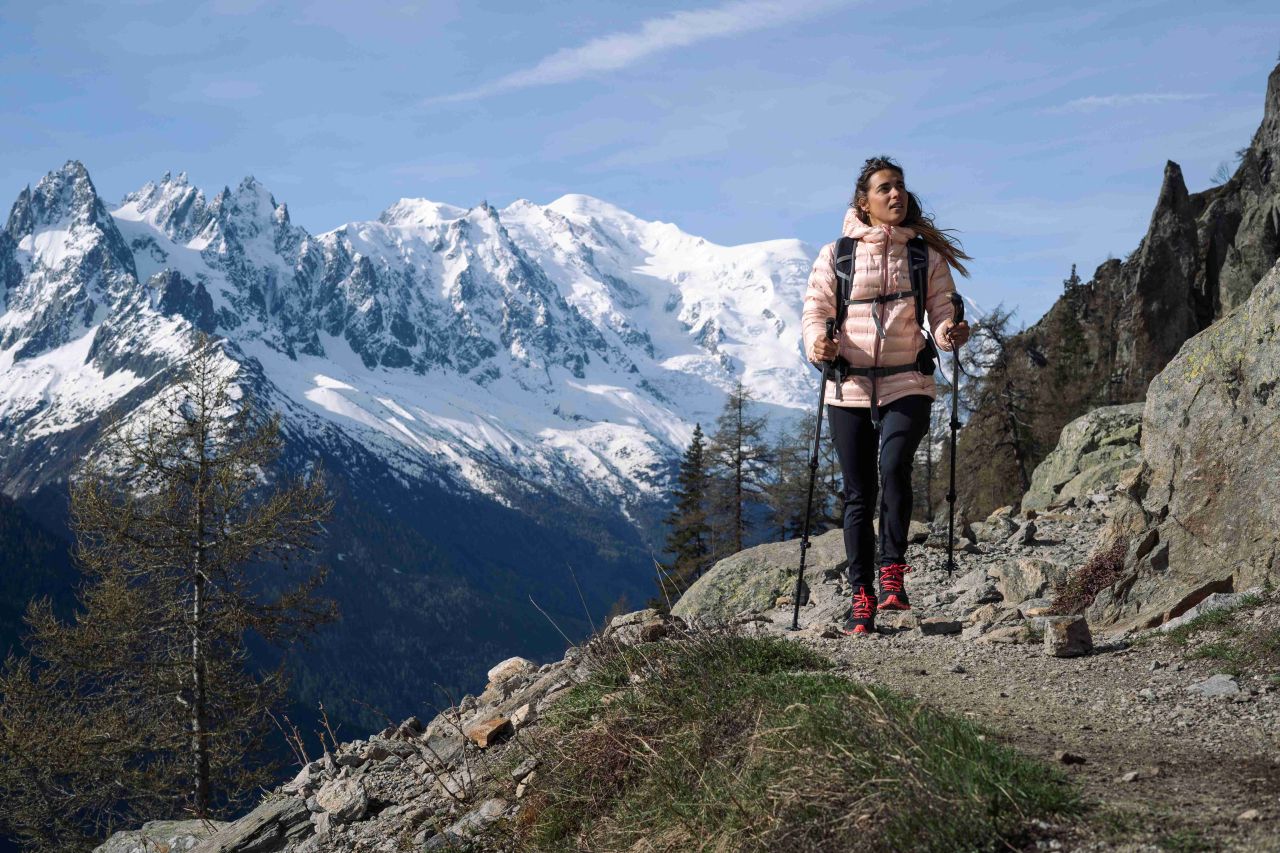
column 859, row 230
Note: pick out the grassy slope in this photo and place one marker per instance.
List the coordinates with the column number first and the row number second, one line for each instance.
column 734, row 743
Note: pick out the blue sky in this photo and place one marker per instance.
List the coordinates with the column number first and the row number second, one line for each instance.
column 1038, row 130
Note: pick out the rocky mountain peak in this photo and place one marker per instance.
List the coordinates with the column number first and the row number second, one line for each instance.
column 63, row 196
column 172, row 205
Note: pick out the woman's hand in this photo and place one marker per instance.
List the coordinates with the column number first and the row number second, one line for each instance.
column 957, row 334
column 824, row 349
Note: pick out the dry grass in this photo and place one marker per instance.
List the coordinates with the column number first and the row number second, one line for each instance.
column 723, row 742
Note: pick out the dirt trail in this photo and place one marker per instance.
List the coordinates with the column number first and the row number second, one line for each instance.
column 1167, row 769
column 1198, row 768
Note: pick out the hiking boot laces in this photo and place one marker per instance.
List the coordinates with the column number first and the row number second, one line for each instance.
column 891, row 582
column 863, row 605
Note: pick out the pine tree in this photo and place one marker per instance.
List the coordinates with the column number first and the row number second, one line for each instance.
column 689, row 540
column 145, row 704
column 740, row 458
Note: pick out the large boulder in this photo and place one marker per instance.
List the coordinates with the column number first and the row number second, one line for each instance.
column 1092, row 452
column 1204, row 516
column 752, row 580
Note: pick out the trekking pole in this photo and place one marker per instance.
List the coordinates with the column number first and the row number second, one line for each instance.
column 957, row 316
column 813, row 475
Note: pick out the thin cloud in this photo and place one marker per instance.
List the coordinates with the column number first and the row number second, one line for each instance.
column 1103, row 102
column 656, row 35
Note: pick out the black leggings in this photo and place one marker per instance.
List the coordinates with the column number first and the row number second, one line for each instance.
column 903, row 423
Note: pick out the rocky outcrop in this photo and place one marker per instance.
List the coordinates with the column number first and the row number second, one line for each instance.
column 413, row 787
column 1092, row 452
column 1203, row 514
column 1105, row 339
column 171, row 836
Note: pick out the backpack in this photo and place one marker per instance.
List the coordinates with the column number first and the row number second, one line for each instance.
column 918, row 263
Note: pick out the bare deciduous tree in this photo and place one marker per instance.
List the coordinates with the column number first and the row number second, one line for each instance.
column 146, row 703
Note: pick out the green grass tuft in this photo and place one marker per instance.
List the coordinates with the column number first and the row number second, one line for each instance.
column 726, row 742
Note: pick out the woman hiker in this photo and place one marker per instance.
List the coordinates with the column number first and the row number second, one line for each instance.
column 879, row 403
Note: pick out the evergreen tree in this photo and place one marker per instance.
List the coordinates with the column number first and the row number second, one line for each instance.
column 689, row 540
column 740, row 459
column 144, row 705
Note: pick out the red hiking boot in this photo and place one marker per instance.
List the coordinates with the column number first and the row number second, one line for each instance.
column 862, row 614
column 893, row 591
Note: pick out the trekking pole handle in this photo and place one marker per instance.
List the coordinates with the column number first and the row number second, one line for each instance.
column 831, row 328
column 957, row 308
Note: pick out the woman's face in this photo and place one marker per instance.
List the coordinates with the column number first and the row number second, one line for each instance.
column 886, row 202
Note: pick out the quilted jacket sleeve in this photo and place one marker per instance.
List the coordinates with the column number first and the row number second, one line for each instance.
column 938, row 304
column 819, row 300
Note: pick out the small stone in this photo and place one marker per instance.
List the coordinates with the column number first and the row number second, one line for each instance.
column 957, row 668
column 636, row 618
column 302, row 780
column 651, row 632
column 1249, row 816
column 984, row 614
column 1067, row 637
column 508, row 669
column 1155, row 664
column 1027, row 533
column 523, row 715
column 489, row 732
column 523, row 787
column 784, row 601
column 1068, row 757
column 526, row 767
column 1034, row 607
column 1221, row 684
column 901, row 620
column 1007, row 634
column 344, row 799
column 1131, row 776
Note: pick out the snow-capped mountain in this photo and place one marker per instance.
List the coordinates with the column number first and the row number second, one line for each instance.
column 497, row 392
column 571, row 344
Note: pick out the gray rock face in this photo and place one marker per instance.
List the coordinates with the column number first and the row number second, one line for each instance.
column 267, row 829
column 1201, row 257
column 1204, row 515
column 175, row 836
column 1028, row 578
column 1092, row 452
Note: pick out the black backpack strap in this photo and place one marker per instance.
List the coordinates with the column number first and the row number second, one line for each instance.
column 842, row 259
column 918, row 262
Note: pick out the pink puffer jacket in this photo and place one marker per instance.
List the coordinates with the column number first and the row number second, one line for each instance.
column 879, row 249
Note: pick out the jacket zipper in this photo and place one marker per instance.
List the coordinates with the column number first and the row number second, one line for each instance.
column 884, row 281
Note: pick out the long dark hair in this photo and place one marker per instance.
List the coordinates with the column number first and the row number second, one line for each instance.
column 917, row 220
